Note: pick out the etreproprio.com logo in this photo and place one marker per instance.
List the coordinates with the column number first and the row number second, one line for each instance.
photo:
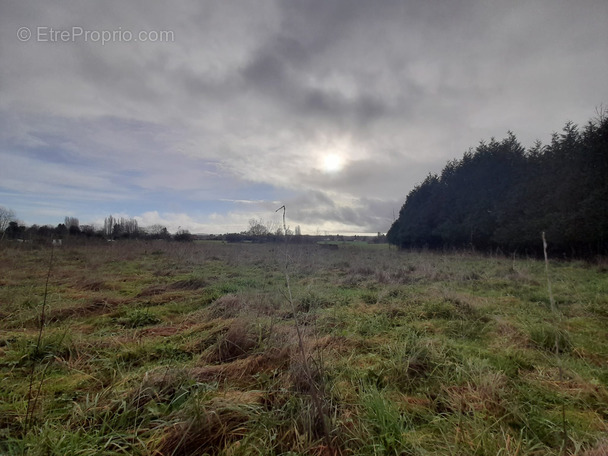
column 45, row 34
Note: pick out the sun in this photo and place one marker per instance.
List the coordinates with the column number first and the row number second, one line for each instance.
column 332, row 163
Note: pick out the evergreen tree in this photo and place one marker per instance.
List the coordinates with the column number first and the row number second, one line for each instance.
column 500, row 196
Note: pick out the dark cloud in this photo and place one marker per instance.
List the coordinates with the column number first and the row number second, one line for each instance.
column 279, row 73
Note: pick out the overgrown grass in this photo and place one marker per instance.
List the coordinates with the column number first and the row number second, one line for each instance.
column 163, row 348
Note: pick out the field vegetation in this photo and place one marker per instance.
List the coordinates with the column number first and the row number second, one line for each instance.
column 165, row 348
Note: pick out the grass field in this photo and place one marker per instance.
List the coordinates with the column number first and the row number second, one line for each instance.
column 177, row 349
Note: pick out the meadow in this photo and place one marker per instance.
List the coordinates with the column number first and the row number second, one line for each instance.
column 165, row 348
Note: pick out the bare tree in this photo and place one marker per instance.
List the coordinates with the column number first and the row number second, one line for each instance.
column 108, row 226
column 70, row 222
column 257, row 228
column 6, row 217
column 158, row 231
column 129, row 226
column 272, row 226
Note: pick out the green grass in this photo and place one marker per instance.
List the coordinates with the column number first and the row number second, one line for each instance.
column 166, row 348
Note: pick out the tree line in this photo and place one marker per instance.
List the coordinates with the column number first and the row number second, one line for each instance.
column 502, row 196
column 114, row 228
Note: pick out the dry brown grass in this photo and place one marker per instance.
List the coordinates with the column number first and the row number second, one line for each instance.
column 209, row 432
column 92, row 284
column 228, row 306
column 486, row 394
column 508, row 334
column 186, row 284
column 245, row 368
column 238, row 341
column 601, row 449
column 97, row 306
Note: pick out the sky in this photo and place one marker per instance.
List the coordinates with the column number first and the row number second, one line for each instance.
column 205, row 115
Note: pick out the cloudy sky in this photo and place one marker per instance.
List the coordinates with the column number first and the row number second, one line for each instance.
column 207, row 114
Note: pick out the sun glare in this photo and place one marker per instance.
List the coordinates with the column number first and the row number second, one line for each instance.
column 332, row 163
